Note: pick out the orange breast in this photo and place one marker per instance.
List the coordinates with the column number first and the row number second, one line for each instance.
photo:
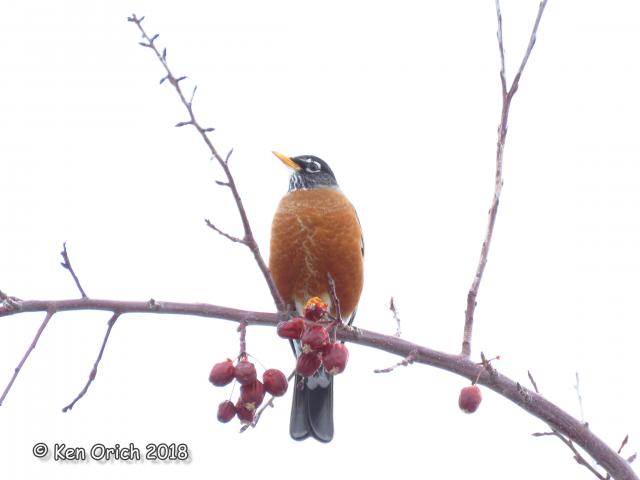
column 316, row 232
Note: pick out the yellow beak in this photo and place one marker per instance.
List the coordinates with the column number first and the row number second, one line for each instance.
column 287, row 161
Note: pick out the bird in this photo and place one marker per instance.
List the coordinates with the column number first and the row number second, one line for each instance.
column 315, row 234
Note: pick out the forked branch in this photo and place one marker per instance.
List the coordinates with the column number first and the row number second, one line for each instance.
column 507, row 96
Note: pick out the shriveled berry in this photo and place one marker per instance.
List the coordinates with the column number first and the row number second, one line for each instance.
column 226, row 411
column 308, row 364
column 315, row 309
column 252, row 394
column 244, row 414
column 291, row 328
column 275, row 382
column 222, row 373
column 245, row 372
column 470, row 398
column 335, row 357
column 314, row 338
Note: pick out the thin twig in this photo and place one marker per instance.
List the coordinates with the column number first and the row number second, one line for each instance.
column 408, row 360
column 67, row 265
column 577, row 388
column 334, row 298
column 394, row 311
column 577, row 456
column 624, row 442
column 622, row 445
column 224, row 234
column 226, row 160
column 242, row 328
column 94, row 370
column 533, row 382
column 507, row 96
column 248, row 239
column 34, row 342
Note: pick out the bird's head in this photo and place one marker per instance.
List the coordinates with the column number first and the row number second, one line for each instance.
column 309, row 171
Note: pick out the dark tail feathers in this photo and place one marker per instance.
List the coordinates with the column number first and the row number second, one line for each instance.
column 312, row 409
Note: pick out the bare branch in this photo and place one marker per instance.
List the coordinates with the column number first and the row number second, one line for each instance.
column 394, row 310
column 248, row 239
column 577, row 456
column 66, row 263
column 408, row 360
column 226, row 160
column 624, row 442
column 334, row 298
column 503, row 74
column 34, row 342
column 242, row 328
column 532, row 42
column 193, row 93
column 533, row 382
column 528, row 400
column 577, row 387
column 94, row 370
column 224, row 234
column 502, row 136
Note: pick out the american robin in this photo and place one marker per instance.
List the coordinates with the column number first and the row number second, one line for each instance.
column 315, row 232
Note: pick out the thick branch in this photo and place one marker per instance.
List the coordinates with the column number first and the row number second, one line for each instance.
column 528, row 400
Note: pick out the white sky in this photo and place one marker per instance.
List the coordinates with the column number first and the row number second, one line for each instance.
column 402, row 99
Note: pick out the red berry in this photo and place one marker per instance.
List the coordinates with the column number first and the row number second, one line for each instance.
column 244, row 414
column 275, row 382
column 251, row 394
column 222, row 373
column 470, row 398
column 335, row 357
column 315, row 309
column 308, row 364
column 314, row 339
column 226, row 411
column 291, row 329
column 245, row 372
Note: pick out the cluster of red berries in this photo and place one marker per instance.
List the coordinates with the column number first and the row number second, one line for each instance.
column 317, row 347
column 252, row 390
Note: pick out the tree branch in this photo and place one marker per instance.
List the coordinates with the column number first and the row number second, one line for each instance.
column 577, row 456
column 249, row 239
column 526, row 399
column 562, row 424
column 94, row 370
column 34, row 342
column 66, row 263
column 502, row 136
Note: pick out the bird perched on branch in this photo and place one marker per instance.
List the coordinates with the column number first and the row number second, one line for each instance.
column 315, row 233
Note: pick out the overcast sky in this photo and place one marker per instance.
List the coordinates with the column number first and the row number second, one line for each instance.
column 402, row 99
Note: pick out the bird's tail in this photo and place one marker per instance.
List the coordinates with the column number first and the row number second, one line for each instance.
column 312, row 408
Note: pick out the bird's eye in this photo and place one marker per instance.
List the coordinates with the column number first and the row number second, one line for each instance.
column 313, row 166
